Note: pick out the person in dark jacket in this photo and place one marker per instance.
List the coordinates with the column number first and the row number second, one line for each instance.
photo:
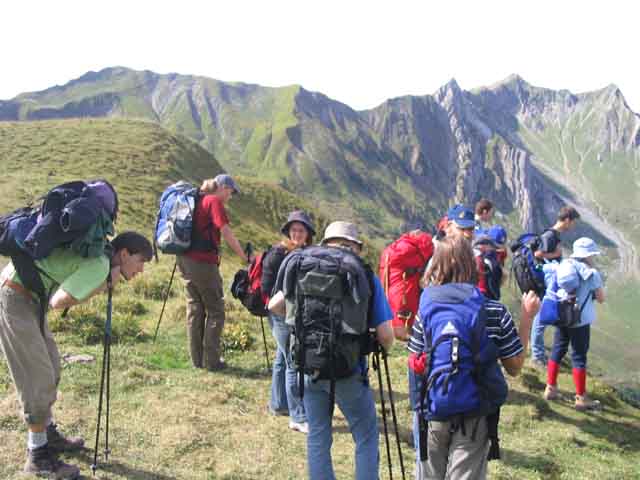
column 285, row 399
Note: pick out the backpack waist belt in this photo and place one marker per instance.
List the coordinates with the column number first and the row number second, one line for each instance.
column 21, row 289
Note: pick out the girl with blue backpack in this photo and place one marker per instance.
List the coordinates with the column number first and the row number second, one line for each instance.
column 578, row 277
column 458, row 343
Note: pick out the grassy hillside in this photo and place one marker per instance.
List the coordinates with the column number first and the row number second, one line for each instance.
column 169, row 421
column 140, row 159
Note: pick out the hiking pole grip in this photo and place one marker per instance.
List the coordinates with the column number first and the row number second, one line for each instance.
column 248, row 250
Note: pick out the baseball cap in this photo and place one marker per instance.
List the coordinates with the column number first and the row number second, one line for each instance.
column 461, row 216
column 225, row 180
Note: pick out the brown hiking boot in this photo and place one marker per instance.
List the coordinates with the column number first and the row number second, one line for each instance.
column 59, row 443
column 42, row 463
column 551, row 393
column 583, row 403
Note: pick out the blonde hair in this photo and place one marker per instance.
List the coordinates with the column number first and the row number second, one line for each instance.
column 452, row 262
column 209, row 186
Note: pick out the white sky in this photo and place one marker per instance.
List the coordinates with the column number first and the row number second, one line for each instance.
column 359, row 52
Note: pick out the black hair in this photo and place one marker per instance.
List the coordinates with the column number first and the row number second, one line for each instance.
column 568, row 213
column 134, row 243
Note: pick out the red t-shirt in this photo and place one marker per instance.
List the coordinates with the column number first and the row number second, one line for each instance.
column 209, row 219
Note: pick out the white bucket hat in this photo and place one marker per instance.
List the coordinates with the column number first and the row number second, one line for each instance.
column 345, row 230
column 584, row 247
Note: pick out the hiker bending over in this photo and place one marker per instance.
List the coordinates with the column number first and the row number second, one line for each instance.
column 200, row 270
column 29, row 346
column 550, row 249
column 456, row 417
column 285, row 398
column 325, row 292
column 576, row 276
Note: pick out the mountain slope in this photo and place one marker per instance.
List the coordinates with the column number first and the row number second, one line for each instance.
column 140, row 159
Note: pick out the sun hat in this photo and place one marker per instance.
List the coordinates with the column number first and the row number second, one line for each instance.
column 224, row 180
column 461, row 216
column 340, row 229
column 299, row 216
column 584, row 247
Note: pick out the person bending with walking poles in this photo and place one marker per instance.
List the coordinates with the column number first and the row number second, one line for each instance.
column 29, row 346
column 332, row 300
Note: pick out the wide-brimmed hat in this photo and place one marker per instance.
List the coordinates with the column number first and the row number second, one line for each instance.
column 584, row 247
column 224, row 180
column 345, row 230
column 299, row 216
column 461, row 216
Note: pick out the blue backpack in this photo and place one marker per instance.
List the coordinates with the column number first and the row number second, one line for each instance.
column 174, row 223
column 464, row 378
column 559, row 305
column 525, row 269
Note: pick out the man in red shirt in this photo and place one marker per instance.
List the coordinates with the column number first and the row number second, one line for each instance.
column 199, row 269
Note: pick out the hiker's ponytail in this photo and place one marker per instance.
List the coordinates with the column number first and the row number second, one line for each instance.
column 209, row 186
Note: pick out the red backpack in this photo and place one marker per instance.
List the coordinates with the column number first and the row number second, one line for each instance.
column 246, row 287
column 401, row 265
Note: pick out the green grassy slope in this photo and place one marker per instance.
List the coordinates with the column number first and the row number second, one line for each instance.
column 140, row 159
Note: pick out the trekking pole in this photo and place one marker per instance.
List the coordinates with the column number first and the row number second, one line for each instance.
column 164, row 304
column 249, row 250
column 106, row 371
column 393, row 409
column 264, row 339
column 376, row 367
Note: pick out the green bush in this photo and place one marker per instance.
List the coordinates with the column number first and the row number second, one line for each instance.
column 236, row 337
column 153, row 288
column 87, row 323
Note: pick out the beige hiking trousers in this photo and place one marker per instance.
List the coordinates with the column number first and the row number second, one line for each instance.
column 33, row 359
column 205, row 310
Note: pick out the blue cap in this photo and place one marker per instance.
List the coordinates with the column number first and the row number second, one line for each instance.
column 224, row 180
column 498, row 234
column 462, row 216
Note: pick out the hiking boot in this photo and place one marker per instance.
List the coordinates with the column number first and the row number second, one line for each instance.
column 282, row 412
column 221, row 365
column 551, row 393
column 42, row 463
column 583, row 403
column 59, row 443
column 299, row 427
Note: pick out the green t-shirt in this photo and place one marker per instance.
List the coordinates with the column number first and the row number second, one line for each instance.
column 76, row 275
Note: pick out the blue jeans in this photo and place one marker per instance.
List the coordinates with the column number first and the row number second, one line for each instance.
column 537, row 339
column 284, row 379
column 355, row 400
column 579, row 340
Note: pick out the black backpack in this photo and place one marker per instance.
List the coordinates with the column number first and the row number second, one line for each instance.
column 327, row 294
column 525, row 269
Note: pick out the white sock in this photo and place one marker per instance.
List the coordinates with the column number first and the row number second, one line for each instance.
column 36, row 440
